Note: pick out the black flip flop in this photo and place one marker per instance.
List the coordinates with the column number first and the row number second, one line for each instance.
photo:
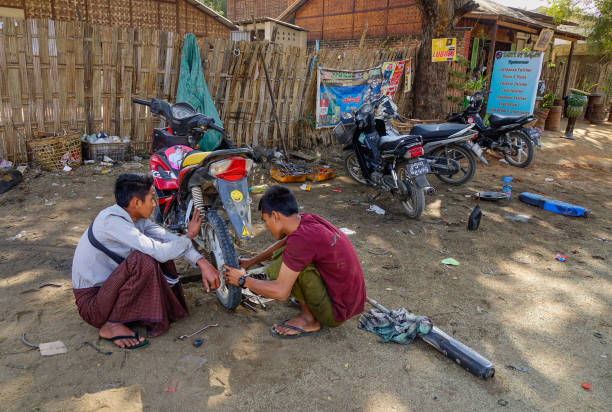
column 139, row 345
column 301, row 332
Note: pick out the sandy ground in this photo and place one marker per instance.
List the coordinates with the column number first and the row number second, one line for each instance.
column 509, row 299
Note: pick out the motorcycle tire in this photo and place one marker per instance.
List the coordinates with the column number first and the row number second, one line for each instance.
column 353, row 169
column 221, row 250
column 521, row 137
column 463, row 153
column 410, row 195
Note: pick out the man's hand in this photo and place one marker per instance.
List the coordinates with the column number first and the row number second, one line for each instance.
column 193, row 229
column 244, row 263
column 232, row 275
column 210, row 275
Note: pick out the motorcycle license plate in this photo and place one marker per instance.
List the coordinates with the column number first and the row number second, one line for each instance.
column 418, row 168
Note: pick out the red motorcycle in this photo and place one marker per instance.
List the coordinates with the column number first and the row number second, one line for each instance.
column 213, row 182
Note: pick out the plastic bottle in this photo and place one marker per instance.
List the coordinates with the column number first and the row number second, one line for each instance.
column 507, row 188
column 258, row 188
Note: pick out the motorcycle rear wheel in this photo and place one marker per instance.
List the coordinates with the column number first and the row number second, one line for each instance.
column 522, row 149
column 353, row 169
column 410, row 195
column 465, row 159
column 221, row 252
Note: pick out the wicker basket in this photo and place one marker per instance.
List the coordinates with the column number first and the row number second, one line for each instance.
column 55, row 152
column 117, row 151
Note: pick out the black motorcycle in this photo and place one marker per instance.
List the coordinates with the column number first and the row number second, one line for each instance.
column 508, row 135
column 394, row 165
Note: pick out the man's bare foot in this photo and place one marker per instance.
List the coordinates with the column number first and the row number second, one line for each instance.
column 306, row 321
column 112, row 329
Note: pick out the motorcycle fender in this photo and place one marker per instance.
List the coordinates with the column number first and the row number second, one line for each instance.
column 533, row 134
column 237, row 204
column 476, row 149
column 421, row 182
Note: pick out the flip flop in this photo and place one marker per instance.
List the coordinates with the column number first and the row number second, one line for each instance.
column 301, row 332
column 139, row 345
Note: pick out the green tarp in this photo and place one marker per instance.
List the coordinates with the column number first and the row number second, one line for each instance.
column 192, row 89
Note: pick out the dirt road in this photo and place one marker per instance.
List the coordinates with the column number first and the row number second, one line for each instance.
column 509, row 299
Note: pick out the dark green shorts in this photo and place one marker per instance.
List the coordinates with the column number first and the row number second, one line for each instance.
column 309, row 288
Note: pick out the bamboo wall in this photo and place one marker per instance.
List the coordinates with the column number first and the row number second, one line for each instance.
column 333, row 20
column 240, row 10
column 65, row 75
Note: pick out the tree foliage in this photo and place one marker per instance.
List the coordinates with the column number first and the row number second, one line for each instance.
column 594, row 14
column 220, row 6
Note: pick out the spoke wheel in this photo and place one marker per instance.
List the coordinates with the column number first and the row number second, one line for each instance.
column 353, row 169
column 521, row 149
column 465, row 159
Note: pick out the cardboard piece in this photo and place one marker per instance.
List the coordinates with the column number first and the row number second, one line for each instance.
column 52, row 348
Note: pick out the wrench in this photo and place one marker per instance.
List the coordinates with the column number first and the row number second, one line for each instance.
column 197, row 331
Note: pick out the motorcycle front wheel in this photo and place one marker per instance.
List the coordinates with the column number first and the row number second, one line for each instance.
column 467, row 164
column 220, row 250
column 353, row 169
column 409, row 194
column 521, row 149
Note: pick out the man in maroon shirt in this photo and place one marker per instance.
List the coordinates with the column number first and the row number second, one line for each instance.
column 313, row 261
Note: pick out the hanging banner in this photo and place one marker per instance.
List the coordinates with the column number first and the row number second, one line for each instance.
column 392, row 74
column 408, row 75
column 514, row 82
column 444, row 50
column 342, row 91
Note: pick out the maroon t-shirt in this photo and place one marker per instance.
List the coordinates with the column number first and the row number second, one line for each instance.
column 319, row 242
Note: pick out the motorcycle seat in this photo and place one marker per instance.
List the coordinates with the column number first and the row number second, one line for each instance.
column 438, row 131
column 497, row 120
column 389, row 145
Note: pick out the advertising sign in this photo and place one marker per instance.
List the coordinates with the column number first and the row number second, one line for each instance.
column 341, row 91
column 514, row 82
column 392, row 74
column 444, row 50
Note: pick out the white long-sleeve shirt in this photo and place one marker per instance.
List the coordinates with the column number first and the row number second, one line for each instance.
column 115, row 229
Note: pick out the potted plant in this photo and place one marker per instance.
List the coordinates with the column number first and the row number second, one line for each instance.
column 555, row 110
column 541, row 112
column 575, row 101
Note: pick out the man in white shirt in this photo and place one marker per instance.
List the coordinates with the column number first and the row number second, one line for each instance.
column 122, row 271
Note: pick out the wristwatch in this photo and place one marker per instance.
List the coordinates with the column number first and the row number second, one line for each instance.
column 242, row 280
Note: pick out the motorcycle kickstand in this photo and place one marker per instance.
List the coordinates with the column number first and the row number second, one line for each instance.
column 379, row 192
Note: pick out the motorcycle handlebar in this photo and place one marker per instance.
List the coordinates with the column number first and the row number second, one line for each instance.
column 143, row 102
column 219, row 129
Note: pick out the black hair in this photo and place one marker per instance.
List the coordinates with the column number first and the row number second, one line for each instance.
column 129, row 185
column 278, row 199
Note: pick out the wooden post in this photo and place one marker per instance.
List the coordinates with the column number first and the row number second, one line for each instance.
column 492, row 52
column 568, row 69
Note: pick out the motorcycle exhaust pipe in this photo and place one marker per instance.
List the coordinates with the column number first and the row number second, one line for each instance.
column 430, row 191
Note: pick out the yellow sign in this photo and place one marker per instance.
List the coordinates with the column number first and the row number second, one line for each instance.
column 236, row 196
column 245, row 231
column 444, row 50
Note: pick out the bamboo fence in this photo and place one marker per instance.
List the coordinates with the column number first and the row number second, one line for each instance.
column 58, row 76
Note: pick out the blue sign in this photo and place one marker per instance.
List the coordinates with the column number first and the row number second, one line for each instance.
column 514, row 83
